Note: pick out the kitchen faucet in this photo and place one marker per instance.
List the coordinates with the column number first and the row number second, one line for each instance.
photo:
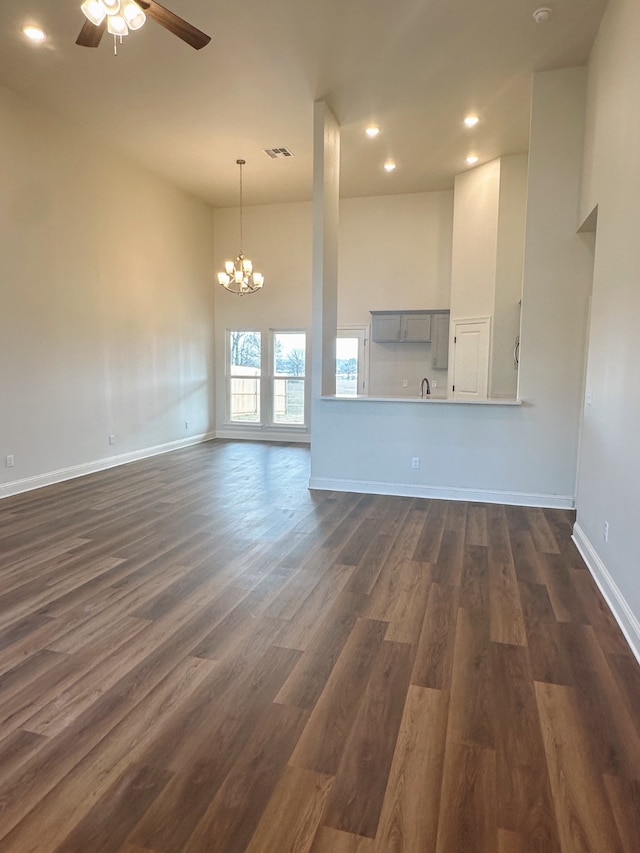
column 425, row 388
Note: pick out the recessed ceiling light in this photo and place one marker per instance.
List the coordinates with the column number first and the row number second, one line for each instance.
column 542, row 15
column 389, row 166
column 471, row 159
column 372, row 131
column 471, row 121
column 34, row 33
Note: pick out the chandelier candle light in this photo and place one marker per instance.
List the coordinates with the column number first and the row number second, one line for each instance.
column 239, row 277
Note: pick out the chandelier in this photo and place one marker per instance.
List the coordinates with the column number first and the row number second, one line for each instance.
column 121, row 15
column 238, row 276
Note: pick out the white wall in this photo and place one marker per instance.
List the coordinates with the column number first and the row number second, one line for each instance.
column 395, row 253
column 609, row 466
column 475, row 237
column 524, row 454
column 106, row 307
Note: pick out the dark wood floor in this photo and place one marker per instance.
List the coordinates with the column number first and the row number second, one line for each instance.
column 198, row 654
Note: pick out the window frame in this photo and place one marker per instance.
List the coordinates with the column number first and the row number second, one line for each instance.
column 272, row 378
column 267, row 378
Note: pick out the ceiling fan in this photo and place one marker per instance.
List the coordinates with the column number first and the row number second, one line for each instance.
column 102, row 14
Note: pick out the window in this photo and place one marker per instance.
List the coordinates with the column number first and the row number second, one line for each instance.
column 267, row 389
column 351, row 361
column 289, row 372
column 245, row 370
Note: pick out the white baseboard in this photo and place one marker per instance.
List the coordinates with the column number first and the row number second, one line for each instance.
column 259, row 434
column 618, row 605
column 17, row 487
column 407, row 490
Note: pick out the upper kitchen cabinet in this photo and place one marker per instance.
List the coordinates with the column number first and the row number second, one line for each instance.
column 390, row 327
column 440, row 343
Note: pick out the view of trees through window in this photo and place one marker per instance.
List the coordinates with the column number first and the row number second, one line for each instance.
column 290, row 356
column 347, row 366
column 245, row 366
column 287, row 382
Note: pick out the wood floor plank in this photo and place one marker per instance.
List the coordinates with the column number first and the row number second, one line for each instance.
column 106, row 826
column 505, row 611
column 102, row 767
column 333, row 841
column 409, row 818
column 467, row 818
column 292, row 817
column 472, row 712
column 541, row 531
column 624, row 796
column 626, row 671
column 322, row 743
column 406, row 618
column 434, row 655
column 550, row 660
column 525, row 557
column 355, row 801
column 524, row 800
column 559, row 581
column 318, row 608
column 449, row 566
column 585, row 820
column 476, row 528
column 427, row 548
column 474, row 587
column 310, row 675
column 202, row 757
column 232, row 818
column 609, row 726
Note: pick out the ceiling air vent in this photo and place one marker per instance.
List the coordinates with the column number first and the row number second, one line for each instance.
column 277, row 153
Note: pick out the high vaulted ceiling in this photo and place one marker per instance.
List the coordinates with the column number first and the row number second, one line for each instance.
column 414, row 67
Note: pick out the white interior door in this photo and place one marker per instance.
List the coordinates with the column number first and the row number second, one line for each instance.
column 471, row 341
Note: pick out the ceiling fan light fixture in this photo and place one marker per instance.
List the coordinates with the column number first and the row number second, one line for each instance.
column 133, row 14
column 112, row 7
column 94, row 11
column 117, row 26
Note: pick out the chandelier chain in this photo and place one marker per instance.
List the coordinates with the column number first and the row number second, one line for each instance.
column 241, row 164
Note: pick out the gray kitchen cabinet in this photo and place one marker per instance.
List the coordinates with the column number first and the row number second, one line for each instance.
column 401, row 326
column 440, row 341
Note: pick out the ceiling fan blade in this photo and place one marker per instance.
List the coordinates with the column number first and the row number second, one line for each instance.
column 90, row 34
column 170, row 21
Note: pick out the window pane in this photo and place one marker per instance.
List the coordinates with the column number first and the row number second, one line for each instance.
column 245, row 399
column 289, row 353
column 245, row 353
column 347, row 366
column 288, row 401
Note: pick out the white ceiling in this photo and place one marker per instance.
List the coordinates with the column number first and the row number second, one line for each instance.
column 415, row 67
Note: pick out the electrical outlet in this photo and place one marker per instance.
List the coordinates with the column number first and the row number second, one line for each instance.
column 405, row 383
column 186, row 424
column 415, row 462
column 112, row 439
column 605, row 532
column 9, row 460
